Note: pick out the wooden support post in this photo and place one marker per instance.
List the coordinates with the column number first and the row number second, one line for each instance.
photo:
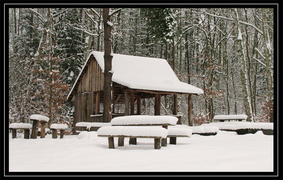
column 132, row 100
column 133, row 141
column 126, row 103
column 26, row 133
column 62, row 132
column 138, row 105
column 14, row 133
column 190, row 110
column 157, row 104
column 173, row 140
column 157, row 143
column 54, row 133
column 42, row 127
column 175, row 107
column 34, row 129
column 120, row 141
column 164, row 140
column 111, row 142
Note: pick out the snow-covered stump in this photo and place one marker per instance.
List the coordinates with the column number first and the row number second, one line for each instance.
column 25, row 126
column 36, row 118
column 56, row 127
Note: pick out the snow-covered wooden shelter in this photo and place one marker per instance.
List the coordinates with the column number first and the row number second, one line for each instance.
column 134, row 78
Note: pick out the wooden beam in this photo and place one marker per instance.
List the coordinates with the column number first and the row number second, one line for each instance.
column 175, row 107
column 138, row 105
column 132, row 101
column 126, row 102
column 157, row 104
column 190, row 110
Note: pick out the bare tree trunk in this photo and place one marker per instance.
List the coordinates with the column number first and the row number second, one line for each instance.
column 107, row 66
column 244, row 76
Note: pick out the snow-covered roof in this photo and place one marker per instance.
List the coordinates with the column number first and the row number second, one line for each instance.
column 143, row 73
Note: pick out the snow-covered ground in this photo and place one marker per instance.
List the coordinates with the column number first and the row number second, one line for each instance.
column 226, row 151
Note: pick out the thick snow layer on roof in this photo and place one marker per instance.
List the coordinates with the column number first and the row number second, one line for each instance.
column 39, row 117
column 236, row 116
column 59, row 126
column 145, row 73
column 133, row 131
column 20, row 125
column 143, row 120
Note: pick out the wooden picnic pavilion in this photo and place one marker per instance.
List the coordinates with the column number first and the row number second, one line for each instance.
column 134, row 78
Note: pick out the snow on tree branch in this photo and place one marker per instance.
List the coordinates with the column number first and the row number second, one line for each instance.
column 111, row 13
column 241, row 22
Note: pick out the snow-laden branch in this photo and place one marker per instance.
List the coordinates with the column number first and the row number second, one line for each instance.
column 230, row 19
column 90, row 16
column 39, row 15
column 111, row 13
column 260, row 53
column 95, row 12
column 86, row 31
column 57, row 14
column 259, row 61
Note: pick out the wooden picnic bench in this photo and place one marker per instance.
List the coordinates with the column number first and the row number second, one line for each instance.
column 178, row 131
column 25, row 126
column 60, row 127
column 90, row 126
column 157, row 133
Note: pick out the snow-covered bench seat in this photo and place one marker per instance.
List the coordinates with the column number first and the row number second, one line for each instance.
column 245, row 127
column 178, row 131
column 90, row 126
column 60, row 127
column 132, row 132
column 231, row 117
column 25, row 126
column 205, row 130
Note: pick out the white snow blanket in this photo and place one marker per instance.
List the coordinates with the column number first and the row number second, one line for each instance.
column 228, row 117
column 39, row 117
column 145, row 73
column 242, row 125
column 20, row 125
column 180, row 130
column 59, row 126
column 143, row 120
column 133, row 131
column 89, row 125
column 204, row 128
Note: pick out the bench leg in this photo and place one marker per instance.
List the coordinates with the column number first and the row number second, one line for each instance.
column 173, row 140
column 14, row 133
column 157, row 143
column 34, row 129
column 120, row 141
column 26, row 136
column 111, row 142
column 164, row 142
column 54, row 133
column 133, row 141
column 62, row 132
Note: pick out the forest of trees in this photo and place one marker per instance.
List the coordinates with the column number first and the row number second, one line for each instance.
column 228, row 52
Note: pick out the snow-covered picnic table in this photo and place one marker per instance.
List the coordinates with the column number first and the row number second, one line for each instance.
column 36, row 118
column 235, row 117
column 25, row 126
column 141, row 126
